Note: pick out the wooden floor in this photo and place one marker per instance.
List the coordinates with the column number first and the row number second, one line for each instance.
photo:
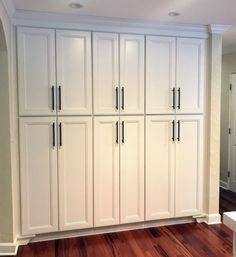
column 188, row 240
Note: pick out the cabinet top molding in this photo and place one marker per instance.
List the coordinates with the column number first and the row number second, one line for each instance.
column 104, row 24
column 218, row 29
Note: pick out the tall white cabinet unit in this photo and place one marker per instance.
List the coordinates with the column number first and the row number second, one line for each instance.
column 111, row 128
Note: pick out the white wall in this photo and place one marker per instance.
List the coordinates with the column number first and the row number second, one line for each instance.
column 228, row 67
column 6, row 204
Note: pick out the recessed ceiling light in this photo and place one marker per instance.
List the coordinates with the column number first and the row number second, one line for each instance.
column 173, row 14
column 75, row 5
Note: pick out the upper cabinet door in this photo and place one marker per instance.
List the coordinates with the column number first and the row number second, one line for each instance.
column 132, row 169
column 36, row 71
column 74, row 76
column 189, row 165
column 38, row 160
column 190, row 77
column 131, row 74
column 75, row 173
column 106, row 73
column 106, row 171
column 160, row 167
column 160, row 74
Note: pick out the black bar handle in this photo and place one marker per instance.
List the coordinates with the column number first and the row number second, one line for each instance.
column 53, row 100
column 59, row 89
column 117, row 131
column 117, row 99
column 173, row 131
column 123, row 98
column 173, row 95
column 60, row 134
column 179, row 98
column 123, row 132
column 53, row 135
column 178, row 130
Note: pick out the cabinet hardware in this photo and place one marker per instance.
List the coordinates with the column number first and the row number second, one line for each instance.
column 178, row 130
column 117, row 107
column 60, row 134
column 117, row 131
column 179, row 98
column 123, row 132
column 123, row 98
column 53, row 134
column 59, row 89
column 173, row 92
column 173, row 130
column 53, row 100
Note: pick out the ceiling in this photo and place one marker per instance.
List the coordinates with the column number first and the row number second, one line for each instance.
column 192, row 11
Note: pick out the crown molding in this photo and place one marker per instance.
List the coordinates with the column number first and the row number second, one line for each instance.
column 10, row 7
column 218, row 29
column 106, row 24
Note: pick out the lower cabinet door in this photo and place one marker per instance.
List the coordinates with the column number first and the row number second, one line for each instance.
column 160, row 167
column 131, row 169
column 189, row 165
column 106, row 171
column 38, row 173
column 75, row 172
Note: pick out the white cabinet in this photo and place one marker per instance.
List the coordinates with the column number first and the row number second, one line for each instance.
column 105, row 73
column 118, row 170
column 190, row 75
column 106, row 171
column 131, row 74
column 160, row 74
column 36, row 71
column 74, row 76
column 75, row 173
column 160, row 167
column 38, row 153
column 189, row 165
column 118, row 76
column 131, row 169
column 174, row 166
column 175, row 75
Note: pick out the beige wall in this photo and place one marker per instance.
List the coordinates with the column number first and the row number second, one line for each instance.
column 228, row 67
column 6, row 207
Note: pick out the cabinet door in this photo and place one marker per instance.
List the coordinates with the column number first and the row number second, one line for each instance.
column 38, row 160
column 189, row 165
column 106, row 171
column 75, row 173
column 160, row 74
column 190, row 77
column 160, row 167
column 36, row 71
column 132, row 74
column 74, row 74
column 132, row 169
column 105, row 73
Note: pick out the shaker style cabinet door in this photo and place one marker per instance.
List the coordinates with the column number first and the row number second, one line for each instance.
column 36, row 71
column 131, row 169
column 106, row 73
column 75, row 172
column 38, row 173
column 190, row 76
column 74, row 76
column 160, row 74
column 106, row 171
column 132, row 74
column 189, row 165
column 160, row 167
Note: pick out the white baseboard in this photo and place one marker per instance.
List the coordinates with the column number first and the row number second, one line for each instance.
column 212, row 219
column 7, row 249
column 224, row 184
column 111, row 229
